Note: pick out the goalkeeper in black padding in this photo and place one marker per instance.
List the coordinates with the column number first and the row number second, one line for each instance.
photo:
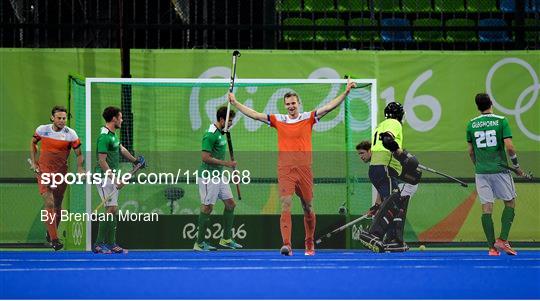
column 388, row 164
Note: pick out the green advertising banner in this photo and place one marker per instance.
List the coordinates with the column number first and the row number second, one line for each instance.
column 437, row 90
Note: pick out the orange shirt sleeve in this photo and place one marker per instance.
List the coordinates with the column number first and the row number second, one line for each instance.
column 273, row 120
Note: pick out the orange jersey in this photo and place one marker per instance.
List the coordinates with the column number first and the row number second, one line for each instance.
column 294, row 138
column 55, row 147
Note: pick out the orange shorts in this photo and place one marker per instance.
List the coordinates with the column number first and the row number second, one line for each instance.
column 58, row 191
column 296, row 179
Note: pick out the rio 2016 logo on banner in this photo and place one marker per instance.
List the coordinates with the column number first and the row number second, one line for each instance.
column 519, row 108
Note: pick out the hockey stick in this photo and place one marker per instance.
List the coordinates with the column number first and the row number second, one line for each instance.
column 442, row 174
column 105, row 199
column 335, row 231
column 528, row 175
column 235, row 56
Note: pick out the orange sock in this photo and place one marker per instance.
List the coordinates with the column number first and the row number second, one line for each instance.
column 57, row 217
column 285, row 224
column 50, row 224
column 309, row 225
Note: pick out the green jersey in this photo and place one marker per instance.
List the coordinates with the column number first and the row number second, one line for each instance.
column 108, row 143
column 215, row 143
column 486, row 133
column 379, row 154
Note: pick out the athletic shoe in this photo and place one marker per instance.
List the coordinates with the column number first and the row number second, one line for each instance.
column 203, row 247
column 504, row 245
column 117, row 249
column 310, row 248
column 101, row 249
column 286, row 250
column 493, row 252
column 229, row 243
column 56, row 244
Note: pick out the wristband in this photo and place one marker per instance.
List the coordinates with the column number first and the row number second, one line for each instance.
column 514, row 160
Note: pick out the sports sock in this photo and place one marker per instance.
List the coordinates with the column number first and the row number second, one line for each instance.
column 285, row 225
column 309, row 224
column 103, row 230
column 50, row 224
column 57, row 217
column 204, row 218
column 507, row 218
column 112, row 230
column 487, row 224
column 228, row 220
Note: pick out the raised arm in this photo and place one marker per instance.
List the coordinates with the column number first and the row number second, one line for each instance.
column 249, row 112
column 336, row 101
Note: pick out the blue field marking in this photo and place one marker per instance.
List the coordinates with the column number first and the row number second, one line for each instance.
column 267, row 274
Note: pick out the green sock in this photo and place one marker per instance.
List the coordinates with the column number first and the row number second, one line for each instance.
column 487, row 224
column 204, row 218
column 112, row 230
column 103, row 229
column 228, row 221
column 506, row 221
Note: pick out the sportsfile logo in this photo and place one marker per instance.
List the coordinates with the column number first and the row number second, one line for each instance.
column 52, row 180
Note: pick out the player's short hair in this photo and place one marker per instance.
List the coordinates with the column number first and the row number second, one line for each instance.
column 290, row 94
column 222, row 113
column 57, row 109
column 483, row 101
column 365, row 145
column 110, row 112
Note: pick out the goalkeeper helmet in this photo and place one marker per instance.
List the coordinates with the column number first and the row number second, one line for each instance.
column 394, row 110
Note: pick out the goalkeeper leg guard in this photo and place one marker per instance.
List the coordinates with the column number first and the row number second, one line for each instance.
column 371, row 242
column 385, row 216
column 399, row 220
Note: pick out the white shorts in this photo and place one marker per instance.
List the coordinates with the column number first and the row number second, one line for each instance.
column 109, row 193
column 211, row 192
column 495, row 186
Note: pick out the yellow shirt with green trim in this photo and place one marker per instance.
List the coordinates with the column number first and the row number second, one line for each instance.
column 379, row 154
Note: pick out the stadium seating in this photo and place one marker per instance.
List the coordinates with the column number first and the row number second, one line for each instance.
column 449, row 6
column 395, row 36
column 453, row 35
column 289, row 5
column 326, row 36
column 508, row 6
column 417, row 6
column 386, row 6
column 297, row 35
column 319, row 5
column 492, row 36
column 357, row 35
column 532, row 36
column 482, row 5
column 428, row 36
column 353, row 5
